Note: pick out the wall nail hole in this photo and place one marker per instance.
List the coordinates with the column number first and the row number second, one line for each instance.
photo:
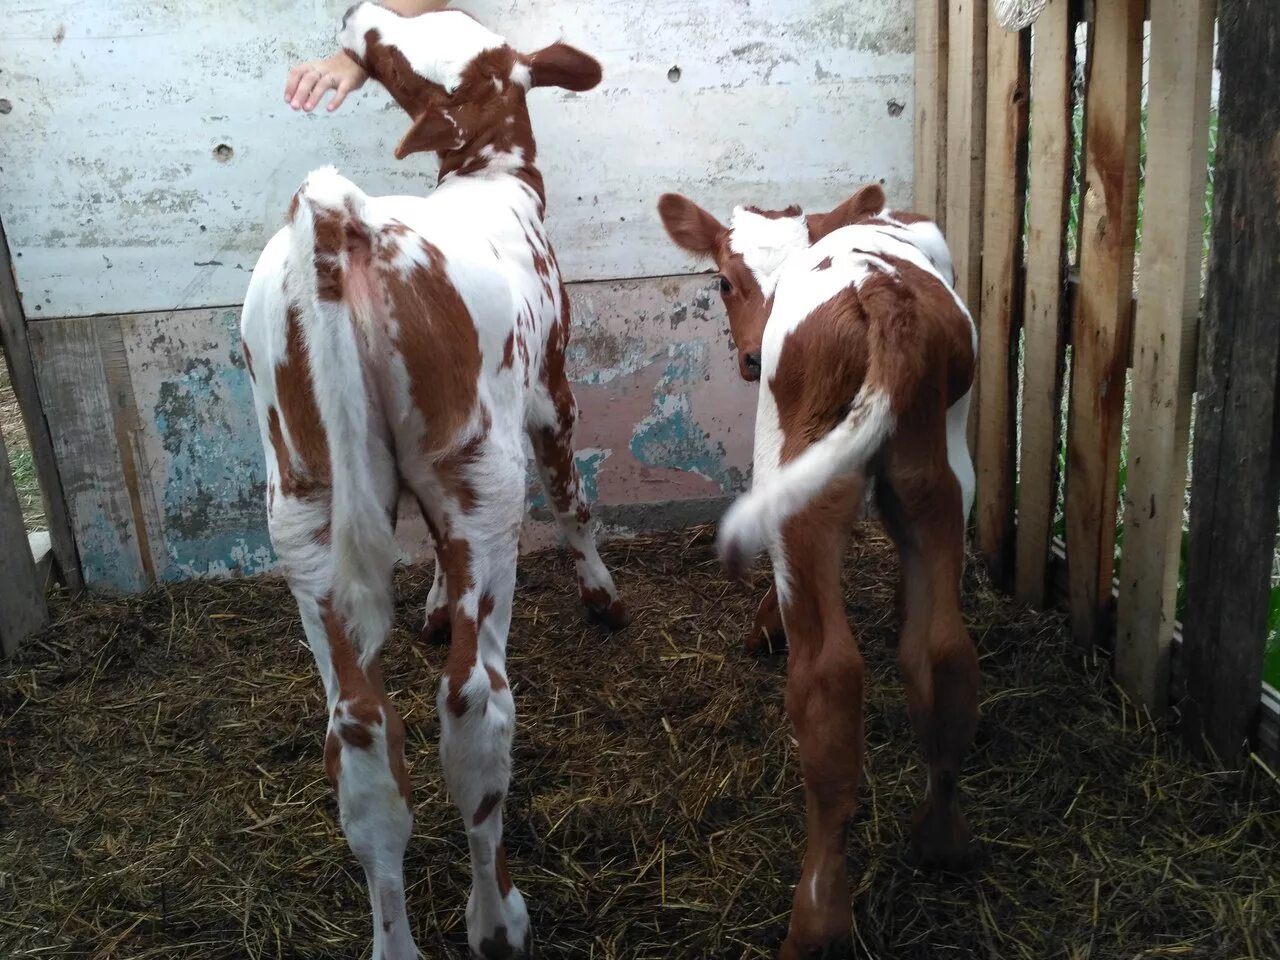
column 674, row 74
column 222, row 153
column 6, row 106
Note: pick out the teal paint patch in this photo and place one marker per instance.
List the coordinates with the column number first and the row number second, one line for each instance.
column 671, row 436
column 101, row 540
column 213, row 501
column 588, row 462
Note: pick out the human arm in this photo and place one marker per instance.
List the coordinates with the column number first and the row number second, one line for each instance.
column 308, row 82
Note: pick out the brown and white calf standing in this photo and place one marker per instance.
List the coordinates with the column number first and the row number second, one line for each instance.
column 747, row 255
column 412, row 343
column 866, row 358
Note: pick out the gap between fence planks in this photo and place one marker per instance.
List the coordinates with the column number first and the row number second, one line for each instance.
column 1100, row 330
column 931, row 110
column 1236, row 472
column 1164, row 343
column 17, row 349
column 1044, row 313
column 965, row 150
column 1003, row 195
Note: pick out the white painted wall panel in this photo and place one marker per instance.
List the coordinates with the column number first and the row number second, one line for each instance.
column 114, row 200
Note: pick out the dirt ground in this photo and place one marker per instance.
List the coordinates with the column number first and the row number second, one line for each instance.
column 162, row 795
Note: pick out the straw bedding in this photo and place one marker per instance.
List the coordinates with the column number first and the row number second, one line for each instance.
column 162, row 795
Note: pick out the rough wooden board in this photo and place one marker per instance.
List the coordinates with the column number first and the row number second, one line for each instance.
column 77, row 401
column 1044, row 312
column 17, row 352
column 22, row 604
column 1003, row 198
column 931, row 110
column 1100, row 331
column 1236, row 468
column 1164, row 343
column 115, row 196
column 664, row 420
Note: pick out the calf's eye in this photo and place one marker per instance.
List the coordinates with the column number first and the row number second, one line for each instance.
column 725, row 286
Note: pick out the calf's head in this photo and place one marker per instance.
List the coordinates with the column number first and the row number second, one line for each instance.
column 462, row 84
column 750, row 252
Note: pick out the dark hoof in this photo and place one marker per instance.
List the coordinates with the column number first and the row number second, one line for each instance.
column 766, row 644
column 839, row 948
column 438, row 629
column 614, row 616
column 940, row 840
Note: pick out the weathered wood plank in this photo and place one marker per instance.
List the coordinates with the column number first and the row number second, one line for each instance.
column 966, row 145
column 1003, row 199
column 1100, row 331
column 17, row 351
column 22, row 606
column 766, row 102
column 1045, row 302
column 931, row 110
column 1164, row 340
column 73, row 383
column 1236, row 468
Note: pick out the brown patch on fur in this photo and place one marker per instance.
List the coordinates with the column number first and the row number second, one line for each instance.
column 791, row 211
column 496, row 680
column 455, row 554
column 329, row 241
column 508, row 352
column 295, row 394
column 823, row 264
column 332, row 759
column 500, row 868
column 437, row 338
column 248, row 360
column 355, row 735
column 293, row 208
column 488, row 804
column 453, row 467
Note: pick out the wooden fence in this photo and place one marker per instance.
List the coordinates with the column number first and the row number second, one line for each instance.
column 1114, row 331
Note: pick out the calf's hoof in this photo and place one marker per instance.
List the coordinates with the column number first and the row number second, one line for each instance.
column 766, row 643
column 498, row 947
column 438, row 629
column 837, row 948
column 941, row 840
column 611, row 614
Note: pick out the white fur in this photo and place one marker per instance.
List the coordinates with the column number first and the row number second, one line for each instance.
column 438, row 45
column 765, row 243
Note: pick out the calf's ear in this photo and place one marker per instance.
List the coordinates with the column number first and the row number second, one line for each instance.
column 866, row 202
column 691, row 227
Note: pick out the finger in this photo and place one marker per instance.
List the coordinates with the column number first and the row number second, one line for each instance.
column 340, row 94
column 325, row 83
column 305, row 85
column 291, row 83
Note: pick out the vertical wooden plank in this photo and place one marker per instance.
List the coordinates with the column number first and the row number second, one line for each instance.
column 1236, row 470
column 17, row 350
column 931, row 110
column 1100, row 331
column 22, row 605
column 77, row 399
column 966, row 112
column 1003, row 198
column 1045, row 303
column 1164, row 339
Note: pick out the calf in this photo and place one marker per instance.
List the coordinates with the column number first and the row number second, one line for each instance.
column 749, row 254
column 412, row 343
column 867, row 359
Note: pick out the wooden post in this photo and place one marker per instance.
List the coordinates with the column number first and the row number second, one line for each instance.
column 1044, row 312
column 17, row 350
column 966, row 123
column 1236, row 470
column 1164, row 342
column 931, row 110
column 1100, row 332
column 1003, row 199
column 22, row 606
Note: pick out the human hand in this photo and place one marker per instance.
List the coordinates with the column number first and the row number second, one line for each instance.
column 308, row 82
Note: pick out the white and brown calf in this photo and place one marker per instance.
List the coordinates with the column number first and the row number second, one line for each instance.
column 414, row 343
column 866, row 361
column 748, row 256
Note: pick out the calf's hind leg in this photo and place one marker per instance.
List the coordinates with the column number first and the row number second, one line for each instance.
column 921, row 502
column 824, row 700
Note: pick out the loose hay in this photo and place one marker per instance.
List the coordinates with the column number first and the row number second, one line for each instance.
column 163, row 792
